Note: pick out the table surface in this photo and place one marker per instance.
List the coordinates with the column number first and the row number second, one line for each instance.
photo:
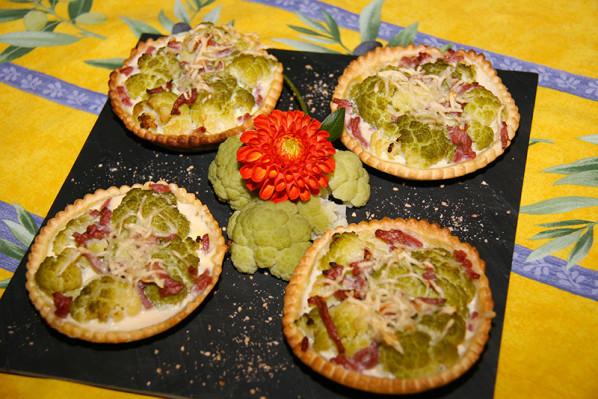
column 51, row 97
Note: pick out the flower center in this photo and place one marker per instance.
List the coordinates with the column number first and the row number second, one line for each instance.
column 290, row 147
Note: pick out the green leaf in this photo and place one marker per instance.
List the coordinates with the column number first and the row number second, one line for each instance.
column 369, row 20
column 35, row 20
column 533, row 141
column 19, row 232
column 334, row 124
column 37, row 39
column 22, row 1
column 307, row 31
column 446, row 47
column 404, row 37
column 332, row 26
column 313, row 23
column 4, row 283
column 554, row 233
column 213, row 15
column 572, row 222
column 12, row 14
column 166, row 22
column 588, row 178
column 13, row 52
column 90, row 18
column 319, row 39
column 581, row 248
column 25, row 219
column 304, row 46
column 11, row 249
column 180, row 12
column 198, row 4
column 591, row 138
column 296, row 93
column 78, row 7
column 191, row 6
column 108, row 63
column 558, row 205
column 139, row 27
column 574, row 167
column 205, row 3
column 553, row 246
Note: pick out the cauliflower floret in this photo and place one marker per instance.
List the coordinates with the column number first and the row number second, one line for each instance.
column 268, row 235
column 322, row 214
column 224, row 175
column 350, row 182
column 106, row 298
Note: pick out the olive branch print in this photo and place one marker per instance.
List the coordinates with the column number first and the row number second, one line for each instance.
column 574, row 232
column 23, row 230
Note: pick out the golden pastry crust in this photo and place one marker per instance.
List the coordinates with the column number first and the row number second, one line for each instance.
column 296, row 293
column 186, row 141
column 43, row 242
column 371, row 62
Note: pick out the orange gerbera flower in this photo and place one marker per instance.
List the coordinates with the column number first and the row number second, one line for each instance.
column 286, row 156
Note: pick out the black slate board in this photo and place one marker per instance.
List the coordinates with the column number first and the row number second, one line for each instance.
column 233, row 347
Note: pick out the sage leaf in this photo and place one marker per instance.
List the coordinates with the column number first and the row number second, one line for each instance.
column 304, row 46
column 78, row 7
column 139, row 27
column 13, row 52
column 558, row 205
column 180, row 12
column 574, row 167
column 554, row 233
column 25, row 219
column 213, row 15
column 572, row 222
column 590, row 138
column 19, row 232
column 4, row 283
column 533, row 141
column 166, row 22
column 11, row 249
column 587, row 178
column 581, row 248
column 332, row 26
column 553, row 246
column 91, row 18
column 307, row 31
column 37, row 39
column 107, row 63
column 334, row 124
column 313, row 23
column 12, row 14
column 404, row 37
column 35, row 20
column 319, row 39
column 369, row 20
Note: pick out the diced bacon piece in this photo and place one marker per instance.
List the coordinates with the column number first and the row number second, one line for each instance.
column 62, row 304
column 96, row 263
column 504, row 135
column 205, row 243
column 429, row 274
column 356, row 283
column 105, row 216
column 354, row 126
column 460, row 89
column 461, row 257
column 173, row 44
column 123, row 95
column 474, row 315
column 320, row 303
column 185, row 98
column 211, row 42
column 200, row 130
column 126, row 70
column 160, row 188
column 367, row 255
column 150, row 50
column 146, row 121
column 395, row 236
column 415, row 60
column 203, row 280
column 171, row 287
column 341, row 295
column 144, row 300
column 366, row 358
column 334, row 271
column 304, row 344
column 346, row 104
column 432, row 301
column 155, row 90
column 345, row 362
column 451, row 56
column 461, row 139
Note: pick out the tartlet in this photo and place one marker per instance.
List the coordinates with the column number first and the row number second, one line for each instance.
column 423, row 114
column 389, row 306
column 194, row 89
column 125, row 263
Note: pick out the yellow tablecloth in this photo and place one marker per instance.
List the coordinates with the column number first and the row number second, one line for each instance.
column 548, row 347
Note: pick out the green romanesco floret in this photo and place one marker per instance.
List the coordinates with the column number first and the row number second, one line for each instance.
column 224, row 175
column 373, row 97
column 268, row 235
column 350, row 182
column 249, row 69
column 482, row 105
column 422, row 145
column 69, row 263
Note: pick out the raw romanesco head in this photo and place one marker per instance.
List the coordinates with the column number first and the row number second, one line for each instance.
column 224, row 175
column 322, row 214
column 350, row 182
column 268, row 235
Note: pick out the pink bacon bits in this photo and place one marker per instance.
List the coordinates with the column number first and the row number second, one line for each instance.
column 123, row 95
column 160, row 188
column 62, row 304
column 126, row 70
column 346, row 104
column 363, row 359
column 504, row 135
column 147, row 304
column 171, row 287
column 334, row 271
column 461, row 257
column 185, row 98
column 451, row 56
column 395, row 236
column 461, row 139
column 415, row 60
column 205, row 242
column 320, row 303
column 356, row 131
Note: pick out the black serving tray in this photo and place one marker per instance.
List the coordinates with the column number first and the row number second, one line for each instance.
column 233, row 346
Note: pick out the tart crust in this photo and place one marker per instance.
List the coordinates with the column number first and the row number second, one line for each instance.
column 39, row 250
column 192, row 141
column 300, row 281
column 362, row 67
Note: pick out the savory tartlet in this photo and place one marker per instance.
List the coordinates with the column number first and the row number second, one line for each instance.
column 389, row 306
column 125, row 263
column 194, row 89
column 424, row 114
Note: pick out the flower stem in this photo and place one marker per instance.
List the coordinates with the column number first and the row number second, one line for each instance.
column 296, row 94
